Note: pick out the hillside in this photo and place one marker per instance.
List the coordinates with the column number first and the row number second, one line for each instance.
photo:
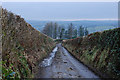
column 99, row 51
column 23, row 47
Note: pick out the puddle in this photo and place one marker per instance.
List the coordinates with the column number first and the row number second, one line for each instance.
column 48, row 61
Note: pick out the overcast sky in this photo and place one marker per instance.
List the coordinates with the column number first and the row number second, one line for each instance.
column 60, row 0
column 63, row 10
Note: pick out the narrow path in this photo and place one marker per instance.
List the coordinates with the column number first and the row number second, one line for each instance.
column 63, row 65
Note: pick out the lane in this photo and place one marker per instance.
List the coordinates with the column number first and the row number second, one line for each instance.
column 83, row 70
column 63, row 65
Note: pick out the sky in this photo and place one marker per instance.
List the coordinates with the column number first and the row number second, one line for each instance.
column 60, row 0
column 63, row 10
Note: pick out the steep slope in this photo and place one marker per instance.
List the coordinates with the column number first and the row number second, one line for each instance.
column 100, row 51
column 23, row 47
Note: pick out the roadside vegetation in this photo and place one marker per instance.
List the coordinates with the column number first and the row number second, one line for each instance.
column 23, row 47
column 100, row 51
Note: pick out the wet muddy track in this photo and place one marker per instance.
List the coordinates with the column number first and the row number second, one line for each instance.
column 63, row 65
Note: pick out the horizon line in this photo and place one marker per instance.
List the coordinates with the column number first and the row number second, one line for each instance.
column 76, row 20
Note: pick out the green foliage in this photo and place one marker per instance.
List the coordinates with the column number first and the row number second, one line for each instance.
column 99, row 50
column 22, row 47
column 8, row 72
column 86, row 32
column 81, row 31
column 22, row 70
column 62, row 32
